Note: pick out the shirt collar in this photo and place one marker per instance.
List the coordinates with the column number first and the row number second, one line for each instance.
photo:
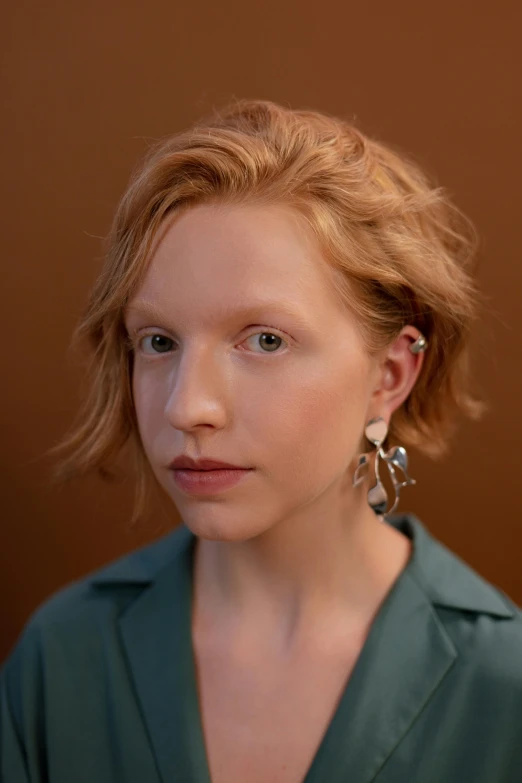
column 445, row 578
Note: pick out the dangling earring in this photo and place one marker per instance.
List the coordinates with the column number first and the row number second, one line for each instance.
column 376, row 431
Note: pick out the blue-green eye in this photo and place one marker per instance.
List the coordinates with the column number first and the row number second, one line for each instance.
column 159, row 341
column 269, row 342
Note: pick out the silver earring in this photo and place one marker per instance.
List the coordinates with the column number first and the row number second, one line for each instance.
column 376, row 431
column 419, row 345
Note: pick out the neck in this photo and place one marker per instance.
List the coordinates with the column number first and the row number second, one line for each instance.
column 305, row 576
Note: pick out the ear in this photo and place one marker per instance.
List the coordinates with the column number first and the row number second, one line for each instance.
column 396, row 373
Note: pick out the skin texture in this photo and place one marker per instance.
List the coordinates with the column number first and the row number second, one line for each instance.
column 292, row 549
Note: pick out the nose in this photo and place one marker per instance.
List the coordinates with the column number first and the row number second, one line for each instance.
column 198, row 392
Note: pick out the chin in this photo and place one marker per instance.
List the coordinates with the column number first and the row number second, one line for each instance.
column 214, row 530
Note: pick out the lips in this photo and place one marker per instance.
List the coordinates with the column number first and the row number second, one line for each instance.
column 209, row 482
column 184, row 462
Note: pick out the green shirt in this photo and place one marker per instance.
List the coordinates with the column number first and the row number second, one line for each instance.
column 101, row 684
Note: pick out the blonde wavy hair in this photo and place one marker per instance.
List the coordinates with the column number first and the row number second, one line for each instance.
column 399, row 251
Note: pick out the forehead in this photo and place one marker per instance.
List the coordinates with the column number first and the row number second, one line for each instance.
column 214, row 259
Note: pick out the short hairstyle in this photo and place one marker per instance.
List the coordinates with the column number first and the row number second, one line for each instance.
column 398, row 250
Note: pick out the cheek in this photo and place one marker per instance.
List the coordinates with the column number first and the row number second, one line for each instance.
column 316, row 425
column 149, row 410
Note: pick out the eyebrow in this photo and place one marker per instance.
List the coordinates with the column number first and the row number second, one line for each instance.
column 147, row 308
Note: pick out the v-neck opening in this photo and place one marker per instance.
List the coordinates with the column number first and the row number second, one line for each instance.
column 331, row 745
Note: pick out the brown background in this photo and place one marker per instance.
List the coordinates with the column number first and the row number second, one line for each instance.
column 86, row 85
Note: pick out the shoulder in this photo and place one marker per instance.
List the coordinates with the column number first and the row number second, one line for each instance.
column 489, row 645
column 92, row 601
column 482, row 622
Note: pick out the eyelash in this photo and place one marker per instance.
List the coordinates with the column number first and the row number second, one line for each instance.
column 133, row 340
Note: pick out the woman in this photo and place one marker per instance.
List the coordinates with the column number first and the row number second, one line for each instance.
column 289, row 297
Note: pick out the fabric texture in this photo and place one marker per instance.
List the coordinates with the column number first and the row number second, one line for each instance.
column 100, row 687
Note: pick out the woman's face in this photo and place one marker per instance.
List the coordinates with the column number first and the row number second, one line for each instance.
column 254, row 362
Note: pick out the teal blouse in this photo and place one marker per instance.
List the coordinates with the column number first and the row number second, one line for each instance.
column 101, row 686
